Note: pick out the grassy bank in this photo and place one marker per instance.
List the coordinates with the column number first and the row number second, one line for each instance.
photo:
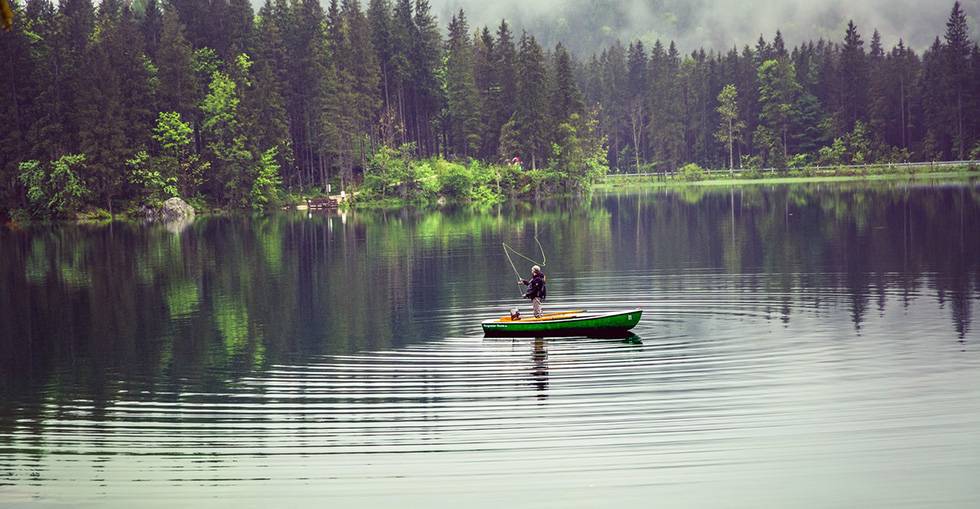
column 791, row 177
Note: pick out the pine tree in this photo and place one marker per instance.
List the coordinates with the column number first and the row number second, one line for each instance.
column 198, row 21
column 240, row 26
column 566, row 99
column 667, row 108
column 425, row 60
column 380, row 20
column 461, row 93
column 46, row 136
column 904, row 67
column 939, row 121
column 363, row 69
column 778, row 46
column 152, row 27
column 306, row 83
column 488, row 87
column 973, row 105
column 614, row 114
column 853, row 79
column 530, row 117
column 17, row 74
column 878, row 81
column 178, row 88
column 778, row 94
column 72, row 40
column 958, row 69
column 505, row 58
column 404, row 38
column 265, row 99
column 110, row 106
column 636, row 98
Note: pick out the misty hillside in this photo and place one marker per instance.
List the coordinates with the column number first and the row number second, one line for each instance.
column 586, row 25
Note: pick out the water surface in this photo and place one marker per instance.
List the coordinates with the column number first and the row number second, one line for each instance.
column 804, row 346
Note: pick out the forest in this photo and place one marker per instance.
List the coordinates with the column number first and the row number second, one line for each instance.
column 114, row 105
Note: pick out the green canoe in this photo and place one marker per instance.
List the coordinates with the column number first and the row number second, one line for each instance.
column 568, row 323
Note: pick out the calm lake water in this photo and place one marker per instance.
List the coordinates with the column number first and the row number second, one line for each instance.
column 802, row 346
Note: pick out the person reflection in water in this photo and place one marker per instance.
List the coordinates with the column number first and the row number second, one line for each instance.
column 539, row 374
column 536, row 290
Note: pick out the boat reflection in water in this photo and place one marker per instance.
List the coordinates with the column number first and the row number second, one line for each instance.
column 539, row 373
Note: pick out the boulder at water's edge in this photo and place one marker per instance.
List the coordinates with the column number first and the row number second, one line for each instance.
column 173, row 209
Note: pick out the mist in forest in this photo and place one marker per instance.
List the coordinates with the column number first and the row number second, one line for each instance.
column 585, row 25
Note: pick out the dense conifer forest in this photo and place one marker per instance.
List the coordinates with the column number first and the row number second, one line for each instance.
column 120, row 103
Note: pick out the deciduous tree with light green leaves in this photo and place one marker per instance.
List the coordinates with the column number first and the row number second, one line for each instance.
column 225, row 139
column 172, row 168
column 730, row 127
column 265, row 188
column 55, row 189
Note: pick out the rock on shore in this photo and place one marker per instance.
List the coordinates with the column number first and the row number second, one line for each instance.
column 173, row 209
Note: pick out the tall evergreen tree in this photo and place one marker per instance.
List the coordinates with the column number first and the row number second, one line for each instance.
column 939, row 120
column 778, row 94
column 178, row 89
column 488, row 87
column 306, row 82
column 461, row 93
column 241, row 27
column 667, row 110
column 425, row 60
column 265, row 99
column 636, row 98
column 878, row 79
column 530, row 117
column 152, row 27
column 853, row 79
column 566, row 99
column 111, row 108
column 958, row 70
column 363, row 69
column 614, row 92
column 380, row 20
column 403, row 88
column 17, row 73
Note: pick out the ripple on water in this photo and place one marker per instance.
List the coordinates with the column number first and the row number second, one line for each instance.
column 721, row 390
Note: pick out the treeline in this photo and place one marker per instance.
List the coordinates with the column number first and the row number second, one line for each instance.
column 140, row 101
column 821, row 102
column 131, row 102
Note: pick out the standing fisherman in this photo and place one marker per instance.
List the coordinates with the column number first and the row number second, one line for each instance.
column 536, row 290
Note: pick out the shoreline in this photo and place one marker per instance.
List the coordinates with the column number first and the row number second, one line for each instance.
column 611, row 183
column 627, row 182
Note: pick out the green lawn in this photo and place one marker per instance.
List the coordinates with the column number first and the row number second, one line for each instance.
column 621, row 182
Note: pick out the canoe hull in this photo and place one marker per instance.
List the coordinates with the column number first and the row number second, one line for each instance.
column 593, row 325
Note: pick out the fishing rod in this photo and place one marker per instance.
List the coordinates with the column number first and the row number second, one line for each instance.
column 508, row 250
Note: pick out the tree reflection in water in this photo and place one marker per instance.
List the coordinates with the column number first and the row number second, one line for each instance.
column 90, row 310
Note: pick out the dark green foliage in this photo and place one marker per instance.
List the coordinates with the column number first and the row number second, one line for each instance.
column 853, row 79
column 177, row 86
column 957, row 60
column 56, row 189
column 462, row 98
column 566, row 99
column 530, row 120
column 299, row 98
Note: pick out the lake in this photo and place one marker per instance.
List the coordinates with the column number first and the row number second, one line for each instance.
column 801, row 346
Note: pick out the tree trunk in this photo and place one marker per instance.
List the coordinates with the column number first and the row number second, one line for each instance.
column 731, row 147
column 901, row 85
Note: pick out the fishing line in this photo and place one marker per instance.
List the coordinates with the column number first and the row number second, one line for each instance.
column 508, row 249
